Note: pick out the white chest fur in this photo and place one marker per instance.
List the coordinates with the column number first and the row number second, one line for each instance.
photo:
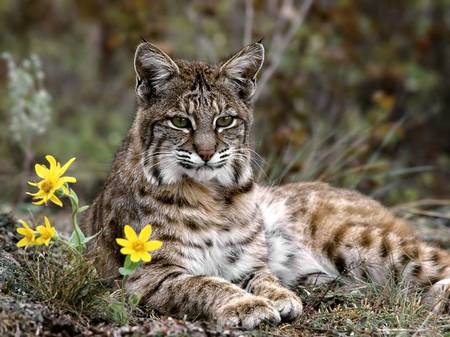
column 223, row 256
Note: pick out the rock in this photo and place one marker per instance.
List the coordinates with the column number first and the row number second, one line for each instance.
column 8, row 235
column 12, row 276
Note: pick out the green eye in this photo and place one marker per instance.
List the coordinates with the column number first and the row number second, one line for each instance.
column 180, row 122
column 224, row 121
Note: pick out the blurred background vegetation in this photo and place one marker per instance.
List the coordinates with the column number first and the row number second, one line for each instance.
column 355, row 93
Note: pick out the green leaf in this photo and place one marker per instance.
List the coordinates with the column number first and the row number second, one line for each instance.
column 120, row 314
column 89, row 238
column 59, row 192
column 73, row 241
column 78, row 239
column 79, row 231
column 128, row 264
column 125, row 271
column 134, row 300
column 73, row 196
column 83, row 208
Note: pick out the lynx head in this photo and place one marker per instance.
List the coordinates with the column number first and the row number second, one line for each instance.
column 194, row 119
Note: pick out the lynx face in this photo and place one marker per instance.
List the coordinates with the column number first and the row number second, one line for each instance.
column 194, row 119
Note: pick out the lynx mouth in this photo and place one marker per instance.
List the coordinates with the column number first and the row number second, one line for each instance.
column 205, row 166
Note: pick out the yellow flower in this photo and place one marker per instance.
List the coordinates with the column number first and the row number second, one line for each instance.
column 47, row 232
column 28, row 235
column 52, row 181
column 138, row 246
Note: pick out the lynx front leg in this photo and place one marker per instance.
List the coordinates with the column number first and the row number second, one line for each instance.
column 170, row 289
column 265, row 284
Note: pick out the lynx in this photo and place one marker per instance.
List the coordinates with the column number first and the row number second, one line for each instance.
column 233, row 249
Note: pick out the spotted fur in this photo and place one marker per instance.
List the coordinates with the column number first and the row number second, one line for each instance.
column 232, row 249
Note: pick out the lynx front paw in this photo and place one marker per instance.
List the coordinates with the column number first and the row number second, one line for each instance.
column 247, row 312
column 287, row 303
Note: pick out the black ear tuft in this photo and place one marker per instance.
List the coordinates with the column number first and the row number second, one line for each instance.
column 242, row 68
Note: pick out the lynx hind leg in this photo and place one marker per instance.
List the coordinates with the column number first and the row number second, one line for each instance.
column 438, row 297
column 432, row 270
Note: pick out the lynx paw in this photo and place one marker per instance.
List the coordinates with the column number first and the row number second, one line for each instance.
column 247, row 312
column 287, row 303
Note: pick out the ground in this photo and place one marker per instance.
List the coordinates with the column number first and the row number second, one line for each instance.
column 52, row 292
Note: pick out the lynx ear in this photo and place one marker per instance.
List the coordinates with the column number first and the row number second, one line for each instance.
column 153, row 68
column 242, row 68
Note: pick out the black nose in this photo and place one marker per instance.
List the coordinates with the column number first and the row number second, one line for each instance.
column 206, row 154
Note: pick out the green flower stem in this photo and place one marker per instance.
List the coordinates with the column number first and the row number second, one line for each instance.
column 79, row 237
column 124, row 279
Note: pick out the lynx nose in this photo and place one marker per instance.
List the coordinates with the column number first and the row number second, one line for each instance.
column 206, row 154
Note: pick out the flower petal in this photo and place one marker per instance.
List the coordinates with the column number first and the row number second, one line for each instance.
column 71, row 180
column 41, row 230
column 56, row 200
column 38, row 202
column 24, row 224
column 145, row 233
column 66, row 166
column 152, row 245
column 130, row 234
column 135, row 256
column 52, row 161
column 22, row 243
column 24, row 231
column 51, row 231
column 126, row 251
column 41, row 170
column 123, row 243
column 34, row 195
column 146, row 257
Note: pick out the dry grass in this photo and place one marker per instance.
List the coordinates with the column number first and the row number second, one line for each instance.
column 364, row 309
column 63, row 279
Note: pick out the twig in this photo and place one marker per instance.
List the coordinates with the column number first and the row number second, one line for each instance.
column 277, row 52
column 423, row 324
column 248, row 22
column 419, row 203
column 426, row 213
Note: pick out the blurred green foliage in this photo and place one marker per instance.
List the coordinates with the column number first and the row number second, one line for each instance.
column 360, row 96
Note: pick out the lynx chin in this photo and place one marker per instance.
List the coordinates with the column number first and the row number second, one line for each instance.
column 233, row 249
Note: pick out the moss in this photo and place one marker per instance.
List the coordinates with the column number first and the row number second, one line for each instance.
column 12, row 276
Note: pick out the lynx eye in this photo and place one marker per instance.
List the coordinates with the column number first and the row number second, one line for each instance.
column 180, row 122
column 224, row 121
